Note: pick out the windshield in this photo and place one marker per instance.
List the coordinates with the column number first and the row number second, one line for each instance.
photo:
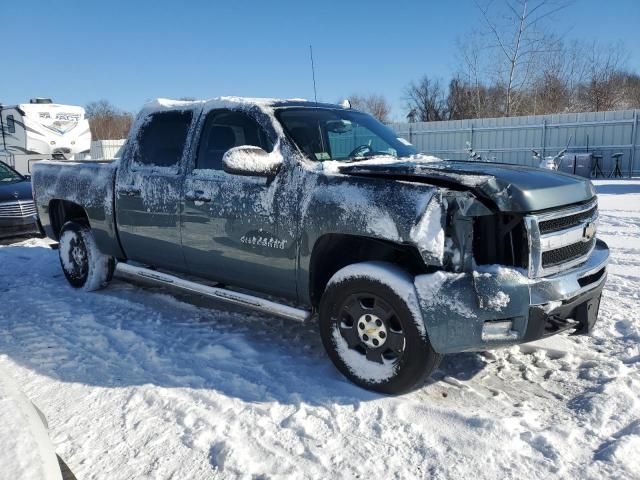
column 343, row 135
column 8, row 175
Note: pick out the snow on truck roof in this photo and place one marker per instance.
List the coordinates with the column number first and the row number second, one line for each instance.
column 166, row 103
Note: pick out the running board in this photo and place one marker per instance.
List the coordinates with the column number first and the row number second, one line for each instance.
column 217, row 293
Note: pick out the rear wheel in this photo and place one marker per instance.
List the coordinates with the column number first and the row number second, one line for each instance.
column 83, row 264
column 372, row 328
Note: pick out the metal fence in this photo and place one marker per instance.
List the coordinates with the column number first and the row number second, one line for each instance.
column 511, row 139
column 106, row 149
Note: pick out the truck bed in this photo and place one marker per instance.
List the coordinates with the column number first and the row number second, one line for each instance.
column 78, row 184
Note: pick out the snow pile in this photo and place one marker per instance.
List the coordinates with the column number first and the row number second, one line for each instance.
column 173, row 386
column 424, row 158
column 169, row 103
column 499, row 301
column 25, row 449
column 18, row 455
column 359, row 365
column 333, row 166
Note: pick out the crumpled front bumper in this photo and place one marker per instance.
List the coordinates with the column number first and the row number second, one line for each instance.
column 497, row 306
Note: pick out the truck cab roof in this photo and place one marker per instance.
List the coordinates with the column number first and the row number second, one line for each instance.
column 166, row 103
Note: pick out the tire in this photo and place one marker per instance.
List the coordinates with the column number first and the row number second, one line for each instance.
column 372, row 328
column 41, row 232
column 84, row 266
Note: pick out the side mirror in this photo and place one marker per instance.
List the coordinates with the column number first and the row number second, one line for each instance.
column 27, row 177
column 251, row 161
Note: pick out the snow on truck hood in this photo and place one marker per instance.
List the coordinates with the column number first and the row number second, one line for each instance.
column 512, row 188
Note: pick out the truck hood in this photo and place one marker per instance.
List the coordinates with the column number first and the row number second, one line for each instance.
column 511, row 188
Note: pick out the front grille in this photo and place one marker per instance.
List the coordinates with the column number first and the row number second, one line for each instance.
column 562, row 223
column 555, row 257
column 561, row 239
column 17, row 209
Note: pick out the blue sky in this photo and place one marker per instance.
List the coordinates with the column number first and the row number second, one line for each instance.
column 129, row 52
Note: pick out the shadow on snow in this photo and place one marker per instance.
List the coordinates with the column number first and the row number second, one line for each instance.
column 615, row 188
column 126, row 335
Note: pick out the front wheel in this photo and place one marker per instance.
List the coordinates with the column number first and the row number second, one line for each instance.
column 372, row 328
column 83, row 264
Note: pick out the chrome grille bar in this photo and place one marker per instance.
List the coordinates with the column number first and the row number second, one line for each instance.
column 17, row 209
column 568, row 244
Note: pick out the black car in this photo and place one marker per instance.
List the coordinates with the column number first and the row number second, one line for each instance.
column 17, row 210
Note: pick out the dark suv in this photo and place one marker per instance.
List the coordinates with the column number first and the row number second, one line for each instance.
column 17, row 209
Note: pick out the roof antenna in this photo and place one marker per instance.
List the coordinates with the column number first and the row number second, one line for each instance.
column 313, row 74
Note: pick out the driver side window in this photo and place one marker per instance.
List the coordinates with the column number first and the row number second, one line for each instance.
column 344, row 143
column 223, row 130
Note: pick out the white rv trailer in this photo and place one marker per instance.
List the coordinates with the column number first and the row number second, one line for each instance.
column 41, row 129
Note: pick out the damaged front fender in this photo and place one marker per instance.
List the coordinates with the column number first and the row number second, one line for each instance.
column 455, row 307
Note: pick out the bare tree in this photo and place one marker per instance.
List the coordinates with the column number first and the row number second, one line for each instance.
column 471, row 57
column 107, row 122
column 631, row 90
column 560, row 73
column 517, row 38
column 603, row 88
column 461, row 99
column 375, row 104
column 549, row 94
column 427, row 99
column 515, row 65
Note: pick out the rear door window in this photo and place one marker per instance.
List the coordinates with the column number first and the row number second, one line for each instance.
column 162, row 139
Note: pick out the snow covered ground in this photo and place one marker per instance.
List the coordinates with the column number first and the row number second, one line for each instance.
column 138, row 383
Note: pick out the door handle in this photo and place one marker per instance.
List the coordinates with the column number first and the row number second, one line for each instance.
column 197, row 196
column 130, row 191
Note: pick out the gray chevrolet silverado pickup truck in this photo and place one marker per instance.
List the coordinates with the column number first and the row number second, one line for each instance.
column 304, row 210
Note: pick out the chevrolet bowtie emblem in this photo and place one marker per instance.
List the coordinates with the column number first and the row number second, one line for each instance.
column 589, row 232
